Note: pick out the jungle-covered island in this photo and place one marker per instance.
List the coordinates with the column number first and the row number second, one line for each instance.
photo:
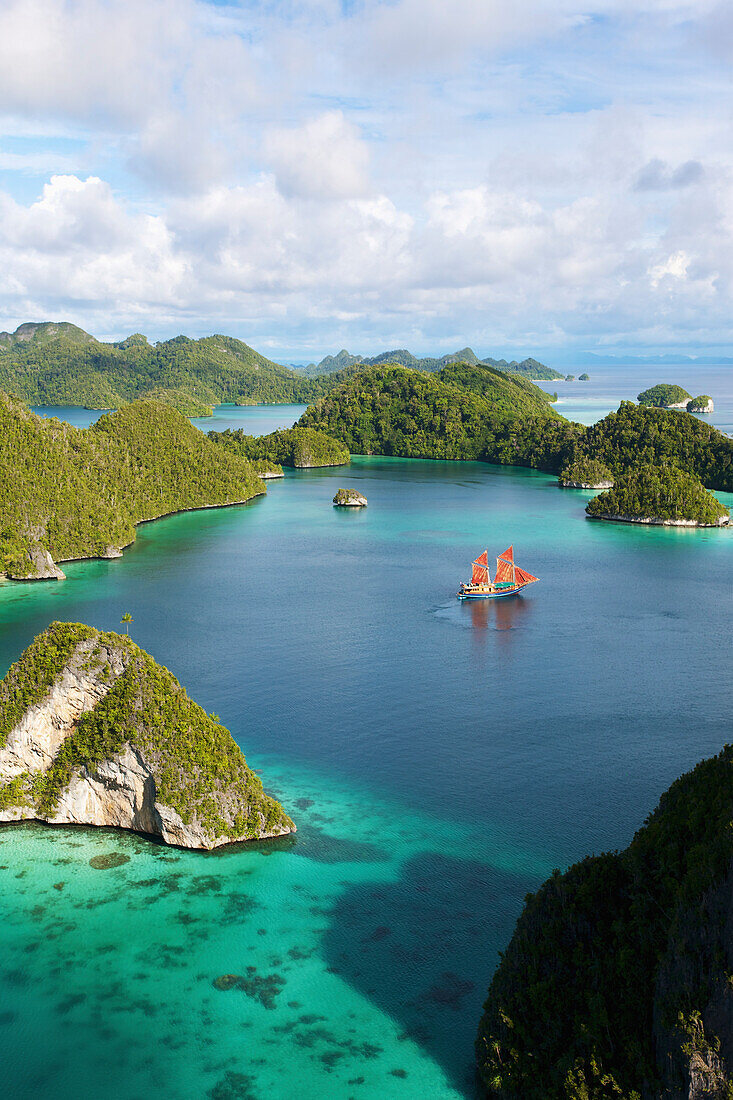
column 665, row 396
column 616, row 982
column 703, row 403
column 79, row 493
column 659, row 495
column 483, row 415
column 59, row 364
column 94, row 732
column 300, row 448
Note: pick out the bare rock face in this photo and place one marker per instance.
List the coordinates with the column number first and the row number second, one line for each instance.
column 567, row 484
column 349, row 498
column 38, row 566
column 127, row 785
column 659, row 521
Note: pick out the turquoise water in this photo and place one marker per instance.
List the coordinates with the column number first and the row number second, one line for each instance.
column 255, row 419
column 608, row 386
column 439, row 759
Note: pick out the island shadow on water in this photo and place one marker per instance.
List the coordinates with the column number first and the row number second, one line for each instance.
column 429, row 967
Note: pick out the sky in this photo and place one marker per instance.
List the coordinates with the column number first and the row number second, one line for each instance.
column 521, row 176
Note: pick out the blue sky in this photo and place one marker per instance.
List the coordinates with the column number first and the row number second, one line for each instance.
column 524, row 176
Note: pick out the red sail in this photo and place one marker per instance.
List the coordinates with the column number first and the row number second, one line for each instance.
column 523, row 577
column 505, row 567
column 480, row 573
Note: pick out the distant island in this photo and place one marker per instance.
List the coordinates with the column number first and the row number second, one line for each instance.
column 659, row 496
column 584, row 378
column 94, row 732
column 79, row 493
column 300, row 448
column 616, row 982
column 701, row 404
column 331, row 364
column 56, row 363
column 665, row 396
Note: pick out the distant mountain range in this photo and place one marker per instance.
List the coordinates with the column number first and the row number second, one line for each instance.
column 528, row 368
column 56, row 363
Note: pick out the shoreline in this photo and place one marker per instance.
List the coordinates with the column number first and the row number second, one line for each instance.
column 139, row 523
column 657, row 521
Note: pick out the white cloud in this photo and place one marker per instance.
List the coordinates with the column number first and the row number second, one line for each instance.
column 325, row 158
column 398, row 171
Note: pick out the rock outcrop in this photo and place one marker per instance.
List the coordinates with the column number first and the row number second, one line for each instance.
column 94, row 732
column 36, row 565
column 701, row 404
column 349, row 498
column 566, row 483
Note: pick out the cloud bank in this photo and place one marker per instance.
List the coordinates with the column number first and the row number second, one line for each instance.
column 308, row 177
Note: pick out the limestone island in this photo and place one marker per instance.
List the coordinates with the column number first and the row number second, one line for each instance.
column 349, row 498
column 584, row 378
column 69, row 493
column 94, row 732
column 660, row 496
column 701, row 404
column 301, row 448
column 617, row 980
column 665, row 396
column 586, row 473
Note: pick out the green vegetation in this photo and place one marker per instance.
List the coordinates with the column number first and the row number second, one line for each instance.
column 393, row 411
column 569, row 377
column 198, row 768
column 609, row 986
column 586, row 471
column 699, row 403
column 59, row 364
column 664, row 493
column 584, row 378
column 80, row 493
column 297, row 447
column 510, row 394
column 663, row 395
column 638, row 436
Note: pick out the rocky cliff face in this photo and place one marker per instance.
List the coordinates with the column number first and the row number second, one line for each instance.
column 97, row 734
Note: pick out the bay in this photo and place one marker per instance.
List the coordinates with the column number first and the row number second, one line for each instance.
column 439, row 759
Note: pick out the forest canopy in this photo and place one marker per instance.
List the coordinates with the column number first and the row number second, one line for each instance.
column 80, row 492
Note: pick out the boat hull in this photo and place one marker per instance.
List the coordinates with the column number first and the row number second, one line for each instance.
column 491, row 595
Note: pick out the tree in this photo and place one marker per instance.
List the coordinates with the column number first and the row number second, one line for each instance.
column 127, row 619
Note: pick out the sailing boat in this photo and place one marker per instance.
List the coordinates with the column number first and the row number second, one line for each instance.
column 509, row 579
